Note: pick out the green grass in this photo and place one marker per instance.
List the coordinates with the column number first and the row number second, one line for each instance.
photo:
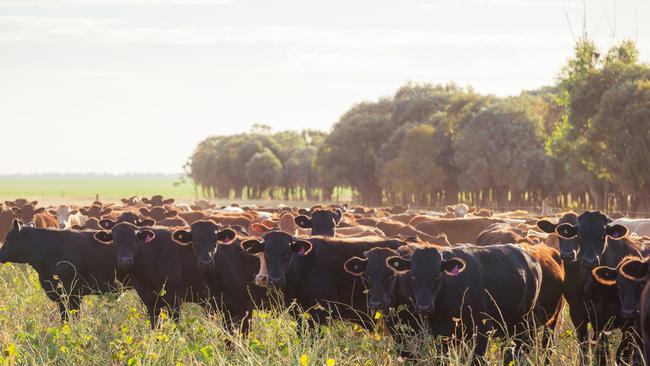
column 112, row 188
column 114, row 330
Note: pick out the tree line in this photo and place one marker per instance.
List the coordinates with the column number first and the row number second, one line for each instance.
column 582, row 143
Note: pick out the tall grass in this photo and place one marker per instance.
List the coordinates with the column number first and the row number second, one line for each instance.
column 114, row 330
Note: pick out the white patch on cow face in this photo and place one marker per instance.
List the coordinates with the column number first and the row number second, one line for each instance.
column 63, row 214
column 262, row 277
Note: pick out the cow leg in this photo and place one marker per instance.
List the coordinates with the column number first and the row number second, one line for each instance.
column 68, row 306
column 480, row 348
column 580, row 323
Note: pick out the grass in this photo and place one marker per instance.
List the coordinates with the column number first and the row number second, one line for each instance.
column 114, row 330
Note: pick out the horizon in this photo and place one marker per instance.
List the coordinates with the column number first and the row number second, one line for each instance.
column 98, row 84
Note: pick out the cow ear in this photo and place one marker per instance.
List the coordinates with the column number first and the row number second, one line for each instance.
column 34, row 203
column 472, row 210
column 301, row 247
column 84, row 211
column 635, row 269
column 303, row 221
column 106, row 211
column 182, row 236
column 39, row 210
column 144, row 211
column 52, row 212
column 77, row 227
column 259, row 228
column 398, row 264
column 546, row 226
column 270, row 224
column 15, row 210
column 171, row 214
column 124, row 201
column 303, row 211
column 616, row 231
column 604, row 275
column 74, row 212
column 145, row 236
column 106, row 224
column 453, row 266
column 449, row 208
column 566, row 231
column 145, row 200
column 226, row 235
column 355, row 266
column 147, row 222
column 17, row 225
column 168, row 201
column 338, row 214
column 105, row 237
column 252, row 246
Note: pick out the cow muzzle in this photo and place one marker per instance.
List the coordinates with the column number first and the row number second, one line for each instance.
column 424, row 309
column 590, row 263
column 205, row 265
column 262, row 280
column 568, row 257
column 629, row 314
column 277, row 281
column 125, row 263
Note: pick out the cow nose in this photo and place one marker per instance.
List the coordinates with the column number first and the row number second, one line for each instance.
column 424, row 309
column 277, row 281
column 62, row 226
column 125, row 262
column 569, row 257
column 629, row 314
column 262, row 280
column 590, row 263
column 205, row 265
column 374, row 304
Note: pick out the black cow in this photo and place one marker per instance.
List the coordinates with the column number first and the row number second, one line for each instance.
column 164, row 272
column 228, row 271
column 481, row 289
column 157, row 201
column 70, row 264
column 388, row 292
column 311, row 273
column 321, row 222
column 599, row 243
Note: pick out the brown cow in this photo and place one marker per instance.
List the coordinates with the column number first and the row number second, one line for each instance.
column 498, row 234
column 96, row 211
column 164, row 217
column 457, row 230
column 29, row 214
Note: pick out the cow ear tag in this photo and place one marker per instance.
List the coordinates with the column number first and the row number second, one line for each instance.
column 148, row 239
column 455, row 271
column 301, row 251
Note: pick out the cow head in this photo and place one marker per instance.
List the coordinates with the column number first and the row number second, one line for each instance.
column 321, row 222
column 157, row 201
column 130, row 217
column 12, row 250
column 380, row 279
column 158, row 213
column 279, row 251
column 62, row 214
column 131, row 201
column 427, row 270
column 460, row 210
column 95, row 211
column 128, row 239
column 569, row 247
column 629, row 278
column 204, row 236
column 591, row 232
column 27, row 213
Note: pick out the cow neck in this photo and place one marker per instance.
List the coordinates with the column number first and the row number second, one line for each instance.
column 41, row 248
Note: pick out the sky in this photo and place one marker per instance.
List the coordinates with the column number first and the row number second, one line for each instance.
column 117, row 86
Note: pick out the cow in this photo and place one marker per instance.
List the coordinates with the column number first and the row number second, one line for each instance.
column 228, row 271
column 30, row 215
column 457, row 230
column 91, row 224
column 96, row 211
column 460, row 210
column 70, row 264
column 498, row 233
column 321, row 222
column 164, row 273
column 7, row 216
column 67, row 216
column 296, row 266
column 163, row 216
column 588, row 241
column 157, row 201
column 20, row 202
column 481, row 289
column 132, row 201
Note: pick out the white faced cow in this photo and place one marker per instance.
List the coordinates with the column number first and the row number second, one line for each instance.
column 67, row 217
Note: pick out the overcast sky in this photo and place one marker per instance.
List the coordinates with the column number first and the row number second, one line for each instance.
column 132, row 85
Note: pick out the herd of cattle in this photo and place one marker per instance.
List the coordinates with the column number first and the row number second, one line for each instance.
column 461, row 274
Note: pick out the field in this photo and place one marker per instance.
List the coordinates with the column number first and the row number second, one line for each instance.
column 115, row 330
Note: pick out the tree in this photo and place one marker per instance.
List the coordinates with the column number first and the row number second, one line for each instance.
column 263, row 171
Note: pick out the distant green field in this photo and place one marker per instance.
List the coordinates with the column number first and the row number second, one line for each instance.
column 82, row 188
